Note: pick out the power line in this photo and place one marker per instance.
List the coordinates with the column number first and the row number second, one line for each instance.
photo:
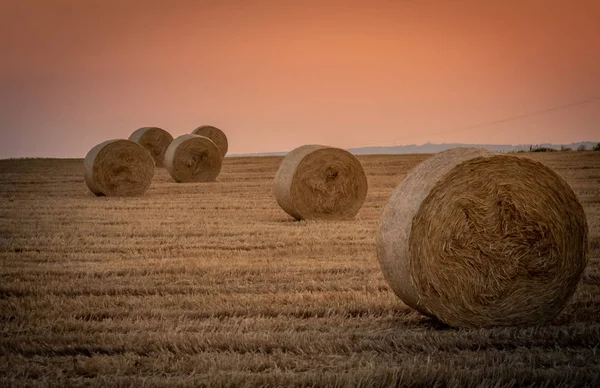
column 499, row 121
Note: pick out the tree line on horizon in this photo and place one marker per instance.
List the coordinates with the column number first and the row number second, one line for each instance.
column 539, row 148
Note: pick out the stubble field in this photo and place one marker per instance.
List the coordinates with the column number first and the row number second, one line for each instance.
column 214, row 285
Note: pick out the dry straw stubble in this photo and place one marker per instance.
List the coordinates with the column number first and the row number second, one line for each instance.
column 477, row 239
column 319, row 182
column 155, row 140
column 214, row 134
column 118, row 168
column 193, row 158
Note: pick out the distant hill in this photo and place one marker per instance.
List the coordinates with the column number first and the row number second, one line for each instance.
column 431, row 148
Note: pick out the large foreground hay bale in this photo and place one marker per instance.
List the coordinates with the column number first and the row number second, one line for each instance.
column 118, row 168
column 155, row 140
column 478, row 239
column 318, row 182
column 193, row 158
column 214, row 134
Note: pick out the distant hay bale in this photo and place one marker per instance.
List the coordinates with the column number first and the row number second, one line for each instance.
column 193, row 158
column 155, row 140
column 318, row 182
column 214, row 134
column 478, row 240
column 118, row 168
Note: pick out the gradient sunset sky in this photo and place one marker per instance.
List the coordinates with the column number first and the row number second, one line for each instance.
column 278, row 74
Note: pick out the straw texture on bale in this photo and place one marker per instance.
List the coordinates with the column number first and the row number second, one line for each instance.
column 193, row 158
column 318, row 182
column 155, row 140
column 118, row 168
column 214, row 134
column 477, row 239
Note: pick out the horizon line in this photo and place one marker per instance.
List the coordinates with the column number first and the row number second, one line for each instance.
column 278, row 153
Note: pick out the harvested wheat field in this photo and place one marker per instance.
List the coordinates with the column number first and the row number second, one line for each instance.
column 213, row 284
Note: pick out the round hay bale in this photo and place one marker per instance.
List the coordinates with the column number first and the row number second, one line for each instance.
column 318, row 182
column 476, row 239
column 118, row 168
column 193, row 158
column 155, row 140
column 214, row 134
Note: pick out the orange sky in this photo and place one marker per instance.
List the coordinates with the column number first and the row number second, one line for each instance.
column 278, row 74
